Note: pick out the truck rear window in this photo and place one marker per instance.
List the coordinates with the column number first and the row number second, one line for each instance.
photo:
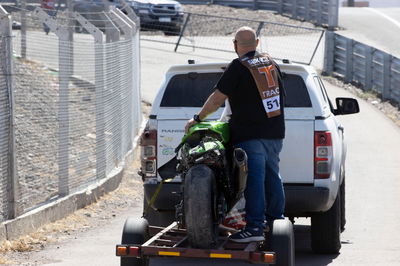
column 193, row 89
column 296, row 91
column 189, row 90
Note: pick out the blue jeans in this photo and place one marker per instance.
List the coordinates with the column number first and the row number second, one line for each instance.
column 265, row 198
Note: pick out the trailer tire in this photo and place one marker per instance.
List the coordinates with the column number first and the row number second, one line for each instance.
column 199, row 206
column 325, row 230
column 136, row 231
column 282, row 242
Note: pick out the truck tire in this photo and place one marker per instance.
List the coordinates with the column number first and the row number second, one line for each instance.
column 136, row 231
column 325, row 230
column 199, row 201
column 158, row 218
column 282, row 242
column 343, row 205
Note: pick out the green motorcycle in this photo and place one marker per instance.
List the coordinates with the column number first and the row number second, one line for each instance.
column 213, row 180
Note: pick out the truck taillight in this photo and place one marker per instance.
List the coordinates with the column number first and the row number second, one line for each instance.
column 322, row 154
column 148, row 143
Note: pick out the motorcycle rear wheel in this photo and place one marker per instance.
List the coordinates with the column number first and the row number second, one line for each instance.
column 199, row 206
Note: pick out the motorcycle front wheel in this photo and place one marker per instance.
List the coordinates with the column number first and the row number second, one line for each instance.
column 199, row 206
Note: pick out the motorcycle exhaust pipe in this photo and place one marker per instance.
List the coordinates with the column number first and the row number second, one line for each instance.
column 240, row 171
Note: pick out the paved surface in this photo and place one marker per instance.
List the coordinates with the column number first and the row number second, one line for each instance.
column 373, row 179
column 378, row 27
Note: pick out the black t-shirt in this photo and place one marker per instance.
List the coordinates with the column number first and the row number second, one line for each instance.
column 249, row 119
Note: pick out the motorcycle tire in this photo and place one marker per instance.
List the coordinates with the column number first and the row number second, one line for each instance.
column 199, row 207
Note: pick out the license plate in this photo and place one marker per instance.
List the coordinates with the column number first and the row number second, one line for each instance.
column 164, row 19
column 143, row 11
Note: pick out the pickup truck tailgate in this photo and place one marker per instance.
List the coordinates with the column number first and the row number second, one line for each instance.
column 297, row 156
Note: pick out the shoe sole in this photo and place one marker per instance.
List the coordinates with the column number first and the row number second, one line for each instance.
column 249, row 239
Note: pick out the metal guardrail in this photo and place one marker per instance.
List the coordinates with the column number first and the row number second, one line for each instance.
column 77, row 104
column 356, row 62
column 320, row 12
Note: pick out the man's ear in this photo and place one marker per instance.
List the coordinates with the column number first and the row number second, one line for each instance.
column 257, row 42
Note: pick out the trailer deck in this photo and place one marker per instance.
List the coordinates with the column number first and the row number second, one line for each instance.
column 172, row 241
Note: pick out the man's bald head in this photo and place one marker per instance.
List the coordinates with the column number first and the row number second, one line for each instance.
column 246, row 37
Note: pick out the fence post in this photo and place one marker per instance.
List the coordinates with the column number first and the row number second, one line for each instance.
column 6, row 65
column 99, row 90
column 280, row 6
column 387, row 74
column 23, row 28
column 307, row 10
column 71, row 28
column 349, row 61
column 182, row 32
column 294, row 9
column 319, row 12
column 255, row 4
column 64, row 74
column 329, row 52
column 368, row 67
column 333, row 13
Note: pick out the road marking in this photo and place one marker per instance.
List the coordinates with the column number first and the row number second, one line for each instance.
column 395, row 22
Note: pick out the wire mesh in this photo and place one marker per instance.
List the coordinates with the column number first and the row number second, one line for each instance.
column 282, row 41
column 77, row 104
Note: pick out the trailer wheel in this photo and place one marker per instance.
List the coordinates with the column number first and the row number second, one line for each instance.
column 282, row 242
column 199, row 205
column 136, row 231
column 325, row 230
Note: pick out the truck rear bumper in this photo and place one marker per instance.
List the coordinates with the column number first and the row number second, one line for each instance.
column 302, row 199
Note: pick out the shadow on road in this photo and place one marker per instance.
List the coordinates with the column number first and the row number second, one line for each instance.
column 304, row 254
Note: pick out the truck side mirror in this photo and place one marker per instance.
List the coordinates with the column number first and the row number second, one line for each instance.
column 346, row 106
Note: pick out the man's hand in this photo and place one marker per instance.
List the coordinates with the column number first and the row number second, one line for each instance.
column 189, row 123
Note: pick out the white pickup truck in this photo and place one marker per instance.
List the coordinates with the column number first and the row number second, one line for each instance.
column 312, row 160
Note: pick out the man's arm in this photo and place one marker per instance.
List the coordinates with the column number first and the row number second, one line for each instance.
column 214, row 101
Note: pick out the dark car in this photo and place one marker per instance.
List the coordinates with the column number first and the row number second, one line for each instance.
column 164, row 15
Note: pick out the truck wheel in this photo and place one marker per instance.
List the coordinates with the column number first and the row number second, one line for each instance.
column 158, row 218
column 199, row 205
column 343, row 206
column 136, row 231
column 325, row 230
column 282, row 242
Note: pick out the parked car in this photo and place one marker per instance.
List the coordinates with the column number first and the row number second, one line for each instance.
column 312, row 160
column 164, row 15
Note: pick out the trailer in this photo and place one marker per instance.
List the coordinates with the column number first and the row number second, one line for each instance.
column 141, row 242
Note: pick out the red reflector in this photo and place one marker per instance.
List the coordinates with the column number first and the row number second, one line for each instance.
column 134, row 251
column 269, row 257
column 255, row 256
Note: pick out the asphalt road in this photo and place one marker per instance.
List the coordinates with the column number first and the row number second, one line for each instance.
column 378, row 27
column 372, row 180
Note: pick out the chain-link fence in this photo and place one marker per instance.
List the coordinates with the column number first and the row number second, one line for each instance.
column 201, row 31
column 77, row 102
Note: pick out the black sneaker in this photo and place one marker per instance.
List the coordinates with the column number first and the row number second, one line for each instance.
column 248, row 235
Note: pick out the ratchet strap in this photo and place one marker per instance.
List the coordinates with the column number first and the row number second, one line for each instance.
column 154, row 197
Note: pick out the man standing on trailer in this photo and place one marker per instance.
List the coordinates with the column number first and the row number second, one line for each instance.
column 252, row 84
